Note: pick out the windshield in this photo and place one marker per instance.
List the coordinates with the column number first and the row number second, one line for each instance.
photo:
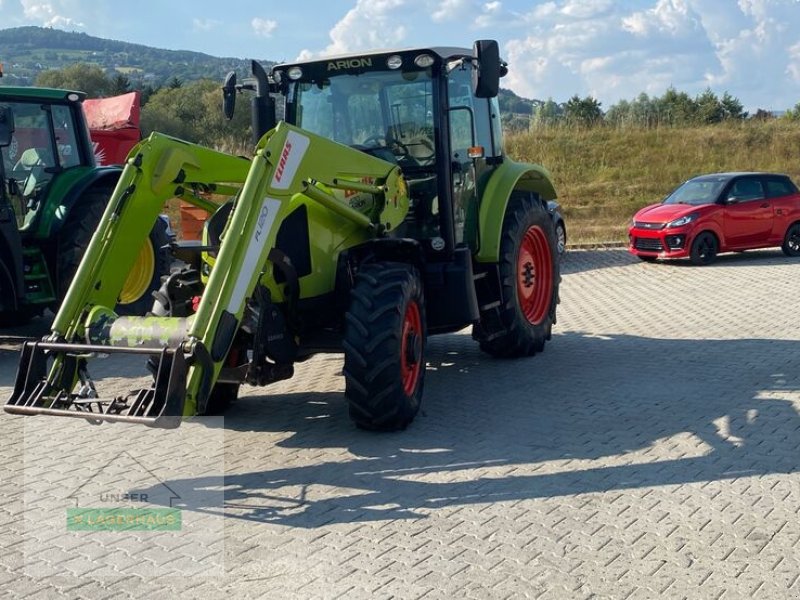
column 31, row 160
column 386, row 113
column 696, row 192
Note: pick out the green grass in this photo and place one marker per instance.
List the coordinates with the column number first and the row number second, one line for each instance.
column 603, row 175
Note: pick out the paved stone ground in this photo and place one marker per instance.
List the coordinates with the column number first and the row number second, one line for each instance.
column 652, row 451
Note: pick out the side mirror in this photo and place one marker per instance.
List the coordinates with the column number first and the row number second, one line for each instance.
column 229, row 95
column 733, row 200
column 6, row 125
column 486, row 75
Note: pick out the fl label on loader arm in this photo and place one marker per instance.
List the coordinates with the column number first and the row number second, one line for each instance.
column 188, row 353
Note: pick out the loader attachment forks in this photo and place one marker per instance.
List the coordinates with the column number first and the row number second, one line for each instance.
column 190, row 353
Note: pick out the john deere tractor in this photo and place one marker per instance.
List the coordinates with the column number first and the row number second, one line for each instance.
column 52, row 196
column 378, row 211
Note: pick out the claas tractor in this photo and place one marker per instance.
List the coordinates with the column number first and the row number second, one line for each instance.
column 378, row 210
column 52, row 195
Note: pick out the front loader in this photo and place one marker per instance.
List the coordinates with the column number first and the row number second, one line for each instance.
column 380, row 210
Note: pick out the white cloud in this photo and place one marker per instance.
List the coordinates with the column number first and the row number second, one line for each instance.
column 263, row 27
column 611, row 50
column 47, row 15
column 205, row 24
column 750, row 49
column 368, row 25
column 449, row 10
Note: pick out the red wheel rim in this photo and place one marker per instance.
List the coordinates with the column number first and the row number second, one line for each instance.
column 411, row 347
column 534, row 275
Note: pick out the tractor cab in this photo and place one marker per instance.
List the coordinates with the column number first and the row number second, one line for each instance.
column 48, row 137
column 432, row 111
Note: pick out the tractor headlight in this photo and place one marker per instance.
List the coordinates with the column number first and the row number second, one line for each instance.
column 395, row 61
column 423, row 61
column 685, row 220
column 295, row 73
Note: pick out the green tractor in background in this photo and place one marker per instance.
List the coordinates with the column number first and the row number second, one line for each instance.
column 380, row 209
column 52, row 195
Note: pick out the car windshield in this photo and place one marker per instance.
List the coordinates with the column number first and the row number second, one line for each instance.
column 696, row 192
column 378, row 110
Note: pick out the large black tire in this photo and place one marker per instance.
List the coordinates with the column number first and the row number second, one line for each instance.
column 384, row 346
column 791, row 241
column 529, row 278
column 76, row 234
column 175, row 298
column 704, row 249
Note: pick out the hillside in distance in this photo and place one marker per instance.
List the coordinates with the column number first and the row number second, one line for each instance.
column 27, row 51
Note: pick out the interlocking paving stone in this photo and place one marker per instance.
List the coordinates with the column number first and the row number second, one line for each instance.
column 653, row 450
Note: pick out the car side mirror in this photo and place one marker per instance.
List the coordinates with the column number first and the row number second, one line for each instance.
column 487, row 72
column 6, row 125
column 733, row 200
column 229, row 95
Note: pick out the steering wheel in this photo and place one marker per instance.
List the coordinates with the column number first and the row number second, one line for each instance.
column 374, row 140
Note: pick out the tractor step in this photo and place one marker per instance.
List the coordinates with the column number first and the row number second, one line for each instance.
column 38, row 284
column 160, row 405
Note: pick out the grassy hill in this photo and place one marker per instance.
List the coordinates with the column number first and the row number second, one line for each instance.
column 604, row 174
column 27, row 51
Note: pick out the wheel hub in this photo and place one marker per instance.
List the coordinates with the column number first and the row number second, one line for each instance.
column 534, row 275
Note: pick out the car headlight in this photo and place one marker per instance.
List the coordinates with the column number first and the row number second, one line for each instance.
column 685, row 220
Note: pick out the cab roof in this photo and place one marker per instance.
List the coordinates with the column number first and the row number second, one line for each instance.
column 443, row 52
column 34, row 93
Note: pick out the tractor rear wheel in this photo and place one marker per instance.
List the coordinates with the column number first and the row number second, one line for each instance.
column 384, row 346
column 145, row 278
column 529, row 279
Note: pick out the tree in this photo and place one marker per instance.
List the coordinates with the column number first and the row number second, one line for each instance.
column 732, row 108
column 762, row 115
column 175, row 83
column 793, row 114
column 193, row 112
column 709, row 108
column 676, row 108
column 583, row 111
column 546, row 114
column 120, row 84
column 80, row 76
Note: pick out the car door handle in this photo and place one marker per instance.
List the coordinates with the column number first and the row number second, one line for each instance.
column 765, row 205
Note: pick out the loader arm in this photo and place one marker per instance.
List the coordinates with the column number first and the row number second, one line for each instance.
column 190, row 352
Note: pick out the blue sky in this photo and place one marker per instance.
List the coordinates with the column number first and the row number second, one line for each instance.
column 555, row 48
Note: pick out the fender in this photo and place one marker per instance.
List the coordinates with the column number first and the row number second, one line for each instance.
column 69, row 186
column 508, row 177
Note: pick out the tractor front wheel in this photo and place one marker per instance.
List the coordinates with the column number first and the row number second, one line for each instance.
column 529, row 280
column 384, row 346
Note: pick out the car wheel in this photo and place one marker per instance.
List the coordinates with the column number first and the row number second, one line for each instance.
column 561, row 237
column 791, row 241
column 704, row 249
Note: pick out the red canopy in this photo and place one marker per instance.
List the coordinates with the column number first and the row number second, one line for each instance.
column 113, row 125
column 117, row 112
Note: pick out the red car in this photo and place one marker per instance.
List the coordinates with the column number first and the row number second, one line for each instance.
column 719, row 213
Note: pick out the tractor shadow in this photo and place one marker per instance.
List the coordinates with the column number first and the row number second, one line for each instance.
column 648, row 412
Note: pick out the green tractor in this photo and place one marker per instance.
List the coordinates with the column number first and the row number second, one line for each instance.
column 378, row 211
column 52, row 195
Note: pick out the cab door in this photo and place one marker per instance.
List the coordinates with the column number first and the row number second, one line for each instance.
column 747, row 214
column 470, row 148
